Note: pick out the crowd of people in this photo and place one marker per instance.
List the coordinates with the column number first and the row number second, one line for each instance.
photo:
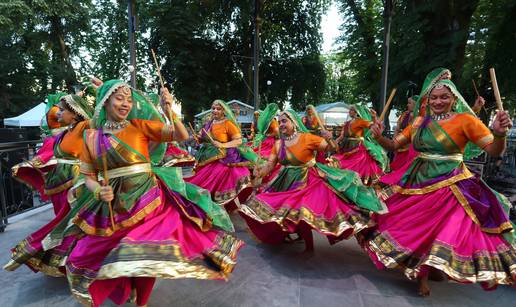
column 124, row 214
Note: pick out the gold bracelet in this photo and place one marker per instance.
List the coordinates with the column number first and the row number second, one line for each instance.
column 96, row 193
column 499, row 137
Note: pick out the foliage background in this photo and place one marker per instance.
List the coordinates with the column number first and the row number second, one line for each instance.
column 206, row 48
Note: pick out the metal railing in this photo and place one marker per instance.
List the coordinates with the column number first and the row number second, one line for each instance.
column 15, row 197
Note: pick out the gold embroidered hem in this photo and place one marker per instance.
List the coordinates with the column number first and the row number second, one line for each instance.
column 466, row 174
column 59, row 188
column 226, row 196
column 47, row 262
column 465, row 204
column 160, row 261
column 106, row 232
column 207, row 161
column 483, row 267
column 175, row 161
column 336, row 226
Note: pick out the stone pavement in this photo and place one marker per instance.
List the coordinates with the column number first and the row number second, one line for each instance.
column 339, row 275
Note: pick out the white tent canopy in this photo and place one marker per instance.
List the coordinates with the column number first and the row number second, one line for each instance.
column 31, row 118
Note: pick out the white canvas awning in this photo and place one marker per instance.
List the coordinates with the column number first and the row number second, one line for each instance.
column 31, row 118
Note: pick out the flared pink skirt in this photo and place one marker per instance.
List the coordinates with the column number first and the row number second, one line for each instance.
column 361, row 162
column 30, row 250
column 223, row 181
column 266, row 147
column 399, row 166
column 164, row 244
column 272, row 216
column 434, row 230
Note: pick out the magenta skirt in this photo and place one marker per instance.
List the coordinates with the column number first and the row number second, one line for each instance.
column 272, row 216
column 223, row 181
column 34, row 178
column 164, row 244
column 266, row 147
column 434, row 230
column 399, row 166
column 361, row 162
column 30, row 250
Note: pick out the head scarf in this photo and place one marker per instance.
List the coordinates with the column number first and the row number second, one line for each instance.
column 78, row 105
column 264, row 122
column 228, row 113
column 142, row 109
column 430, row 80
column 296, row 120
column 51, row 100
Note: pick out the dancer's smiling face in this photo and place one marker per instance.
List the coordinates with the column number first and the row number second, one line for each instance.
column 441, row 100
column 286, row 126
column 352, row 113
column 119, row 104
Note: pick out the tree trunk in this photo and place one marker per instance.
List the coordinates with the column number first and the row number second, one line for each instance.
column 57, row 35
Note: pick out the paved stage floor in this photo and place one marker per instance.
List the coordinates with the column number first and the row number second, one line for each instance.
column 339, row 275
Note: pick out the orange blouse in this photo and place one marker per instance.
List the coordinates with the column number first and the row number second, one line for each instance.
column 303, row 150
column 273, row 126
column 137, row 135
column 52, row 120
column 225, row 131
column 460, row 127
column 72, row 142
column 357, row 126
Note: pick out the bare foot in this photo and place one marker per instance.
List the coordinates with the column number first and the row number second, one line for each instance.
column 11, row 265
column 423, row 286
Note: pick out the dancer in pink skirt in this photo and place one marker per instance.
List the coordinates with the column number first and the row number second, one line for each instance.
column 136, row 221
column 222, row 161
column 356, row 150
column 33, row 172
column 442, row 217
column 306, row 195
column 74, row 112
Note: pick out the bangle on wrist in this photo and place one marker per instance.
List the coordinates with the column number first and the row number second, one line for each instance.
column 96, row 192
column 499, row 136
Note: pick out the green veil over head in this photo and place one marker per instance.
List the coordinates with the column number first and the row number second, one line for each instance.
column 264, row 122
column 78, row 105
column 430, row 80
column 142, row 109
column 51, row 100
column 228, row 113
column 296, row 120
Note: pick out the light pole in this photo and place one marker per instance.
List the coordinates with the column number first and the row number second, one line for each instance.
column 256, row 54
column 132, row 50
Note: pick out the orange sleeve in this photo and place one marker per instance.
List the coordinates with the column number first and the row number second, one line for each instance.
column 52, row 120
column 274, row 124
column 154, row 130
column 476, row 131
column 313, row 141
column 404, row 137
column 233, row 131
column 88, row 165
column 362, row 123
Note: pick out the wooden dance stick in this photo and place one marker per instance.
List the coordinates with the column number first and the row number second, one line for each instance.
column 194, row 135
column 105, row 183
column 384, row 111
column 212, row 140
column 331, row 141
column 476, row 92
column 158, row 71
column 496, row 91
